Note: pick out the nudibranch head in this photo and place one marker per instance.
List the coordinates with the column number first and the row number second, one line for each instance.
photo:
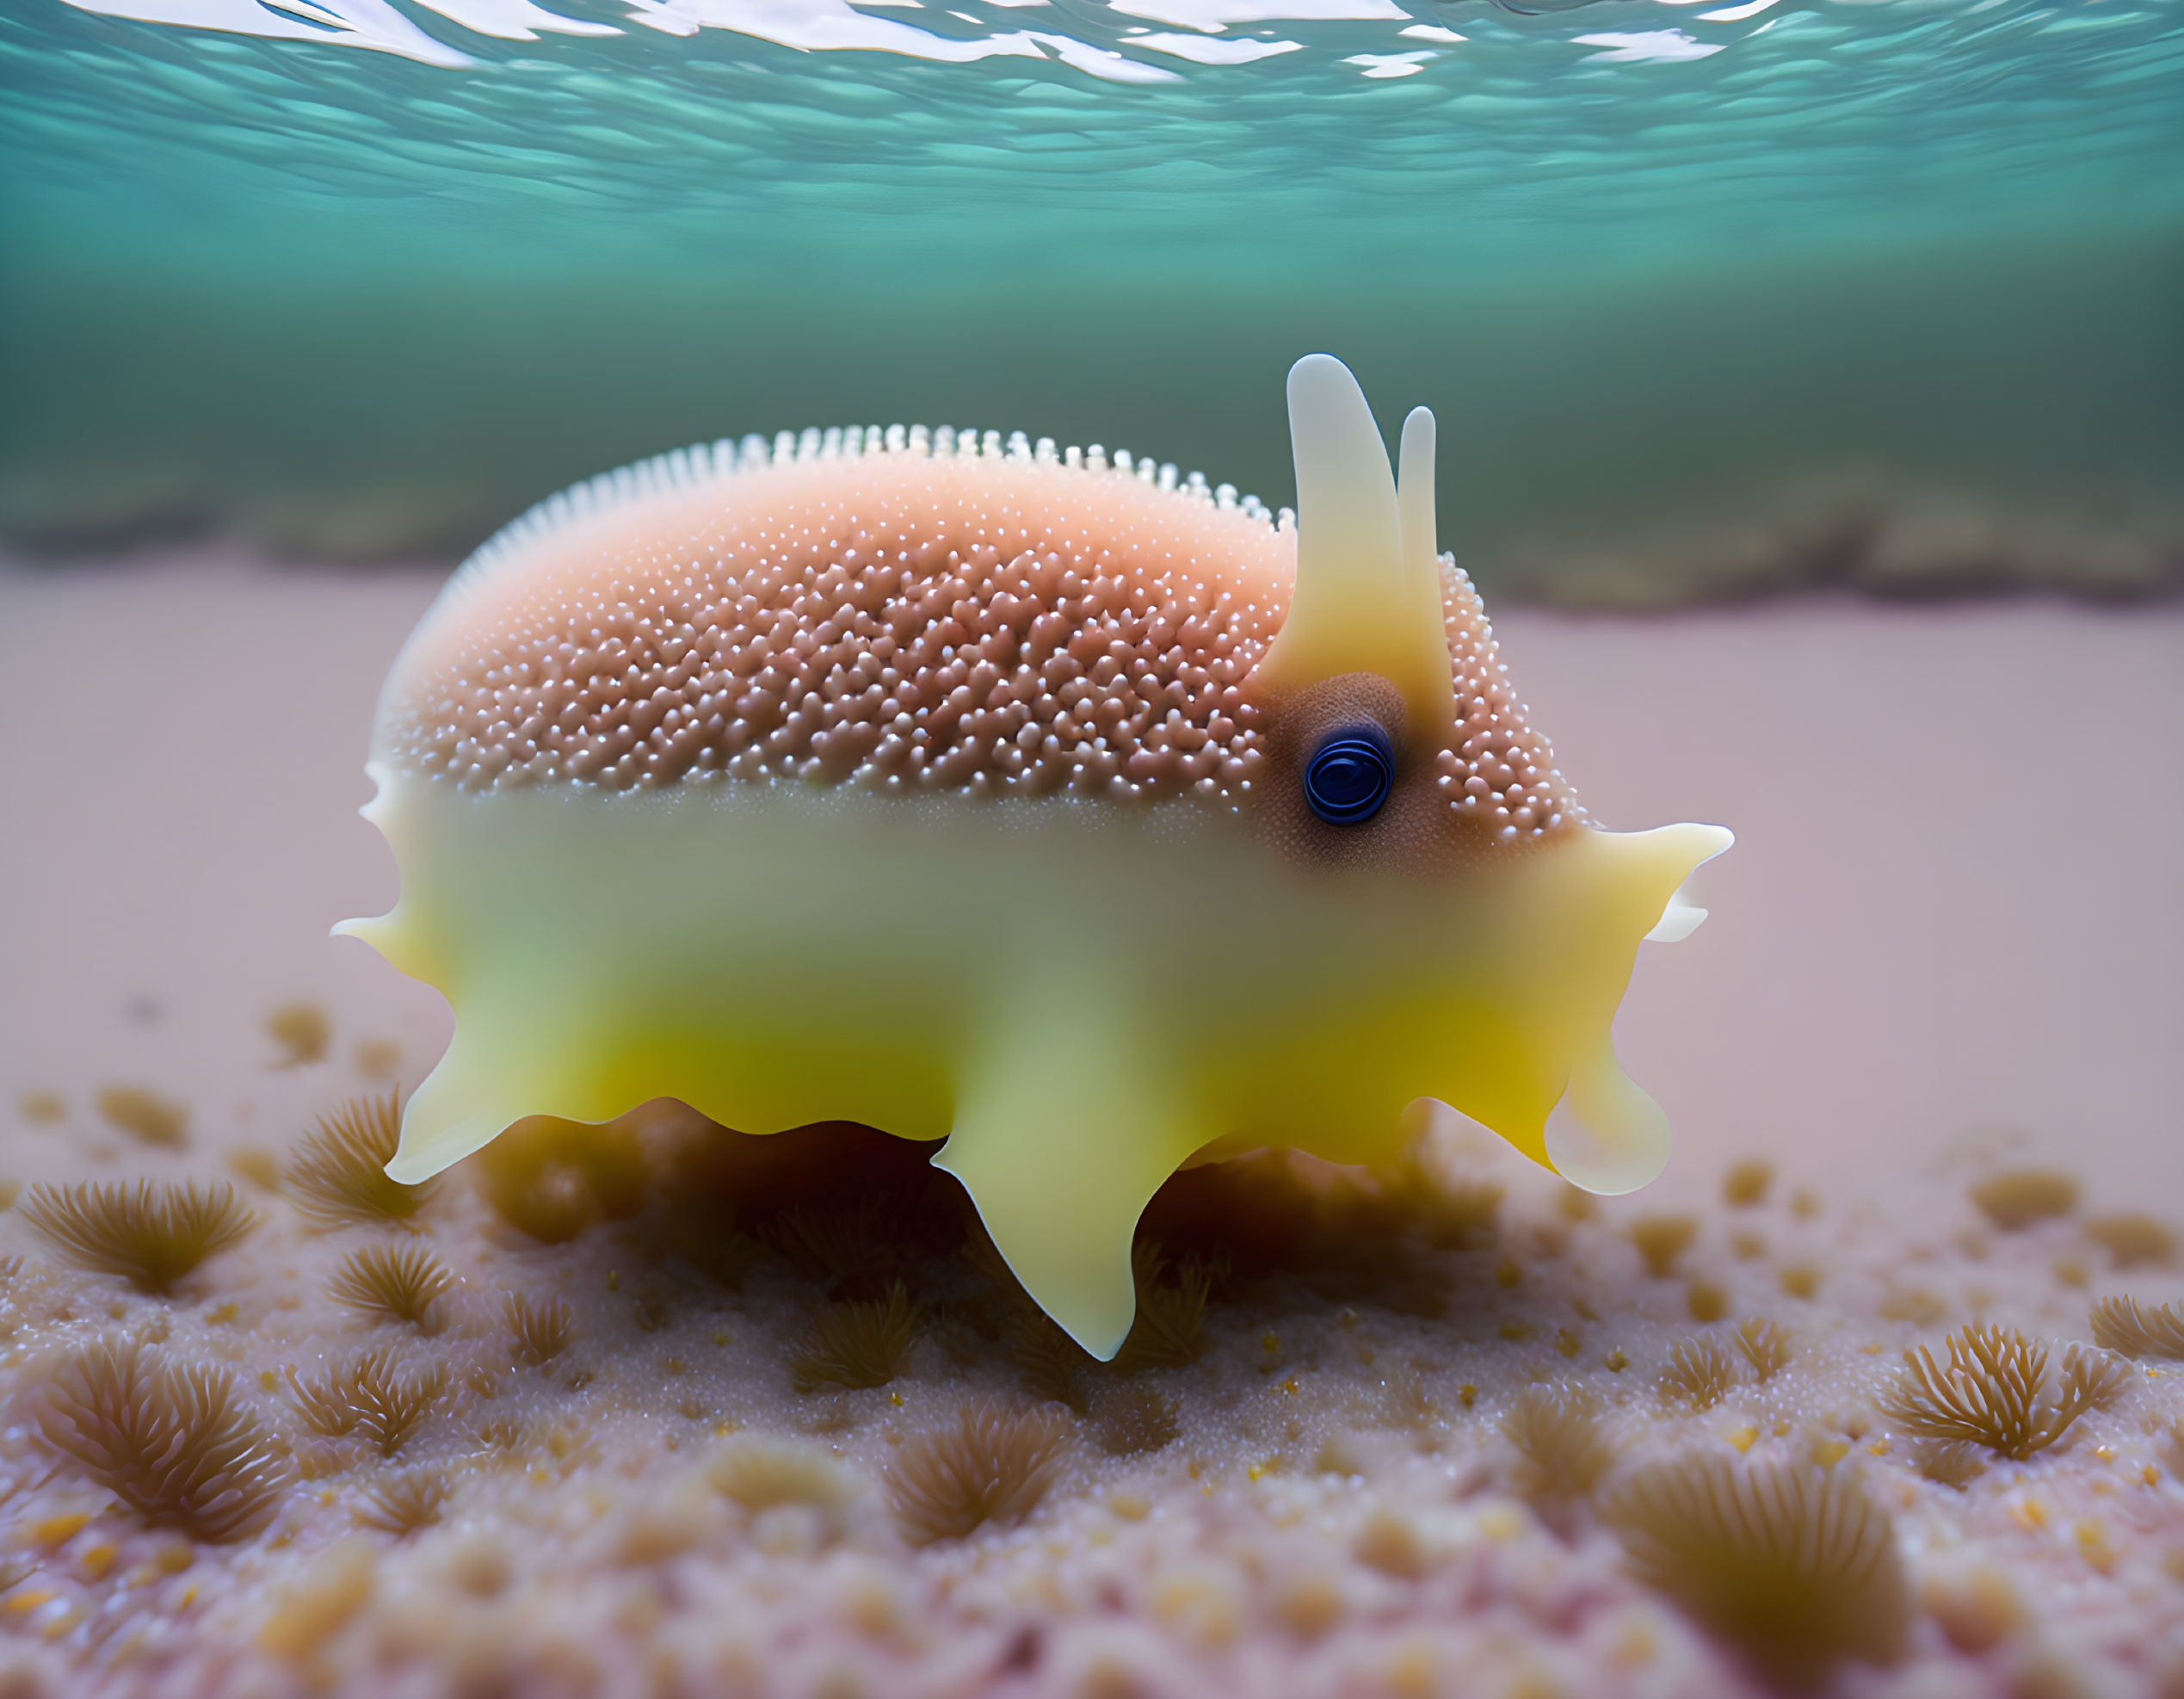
column 1088, row 818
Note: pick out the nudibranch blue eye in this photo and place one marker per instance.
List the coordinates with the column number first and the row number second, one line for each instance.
column 1349, row 775
column 1085, row 817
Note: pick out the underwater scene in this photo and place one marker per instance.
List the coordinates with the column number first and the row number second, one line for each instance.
column 1113, row 849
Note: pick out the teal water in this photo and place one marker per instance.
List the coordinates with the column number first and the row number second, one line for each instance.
column 359, row 277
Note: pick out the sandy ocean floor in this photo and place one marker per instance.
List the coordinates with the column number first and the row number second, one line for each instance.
column 1455, row 1432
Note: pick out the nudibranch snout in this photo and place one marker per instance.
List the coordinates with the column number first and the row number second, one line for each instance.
column 1090, row 821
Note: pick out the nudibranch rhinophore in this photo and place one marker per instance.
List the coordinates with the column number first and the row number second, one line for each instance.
column 1093, row 820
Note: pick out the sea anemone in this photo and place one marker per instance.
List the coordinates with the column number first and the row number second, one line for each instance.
column 144, row 1115
column 542, row 1328
column 2133, row 1239
column 1795, row 1563
column 2121, row 1325
column 1047, row 1358
column 395, row 1282
column 1992, row 1393
column 1454, row 1215
column 42, row 1108
column 174, row 1442
column 371, row 1398
column 1389, row 1542
column 1948, row 1463
column 302, row 1030
column 1745, row 1183
column 503, row 1433
column 1134, row 1418
column 1700, row 1373
column 1766, row 1346
column 1170, row 1330
column 991, row 1464
column 760, row 1471
column 409, row 1499
column 1914, row 1304
column 859, row 1345
column 1559, row 1436
column 694, row 1233
column 1661, row 1239
column 338, row 1173
column 848, row 1249
column 1707, row 1299
column 2021, row 1196
column 153, row 1233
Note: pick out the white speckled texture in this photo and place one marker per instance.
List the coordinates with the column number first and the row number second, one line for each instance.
column 1340, row 1509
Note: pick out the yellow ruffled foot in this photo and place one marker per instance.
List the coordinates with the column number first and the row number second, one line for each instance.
column 1061, row 1142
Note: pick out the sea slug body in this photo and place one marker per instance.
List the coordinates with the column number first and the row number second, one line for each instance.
column 1091, row 819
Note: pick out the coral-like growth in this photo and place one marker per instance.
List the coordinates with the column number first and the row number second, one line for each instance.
column 371, row 1398
column 1801, row 1280
column 2020, row 1197
column 1700, row 1373
column 694, row 1231
column 1765, row 1345
column 1948, row 1464
column 1661, row 1239
column 541, row 1327
column 152, row 1233
column 992, row 1464
column 338, row 1173
column 503, row 1433
column 1562, row 1442
column 144, row 1115
column 1389, row 1542
column 1707, row 1300
column 1993, row 1392
column 260, row 1167
column 859, row 1345
column 1914, row 1304
column 759, row 1472
column 1170, row 1328
column 1135, row 1418
column 1051, row 1362
column 395, row 1283
column 2122, row 1325
column 2133, row 1239
column 376, row 1058
column 1048, row 1359
column 1454, row 1213
column 302, row 1031
column 2091, row 1379
column 850, row 1248
column 399, row 1503
column 551, row 1179
column 174, row 1442
column 42, row 1108
column 1745, row 1183
column 1795, row 1563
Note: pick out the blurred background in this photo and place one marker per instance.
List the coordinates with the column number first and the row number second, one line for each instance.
column 1745, row 298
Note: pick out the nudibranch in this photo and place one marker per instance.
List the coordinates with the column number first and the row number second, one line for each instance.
column 1089, row 818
